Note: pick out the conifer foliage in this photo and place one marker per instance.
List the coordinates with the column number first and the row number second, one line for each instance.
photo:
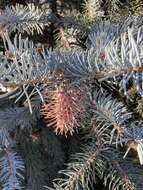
column 71, row 89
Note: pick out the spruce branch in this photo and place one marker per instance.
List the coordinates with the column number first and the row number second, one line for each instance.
column 115, row 176
column 124, row 58
column 11, row 167
column 65, row 108
column 11, row 164
column 112, row 118
column 128, row 170
column 23, row 64
column 113, row 55
column 81, row 173
column 24, row 18
column 102, row 34
column 110, row 115
column 96, row 161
